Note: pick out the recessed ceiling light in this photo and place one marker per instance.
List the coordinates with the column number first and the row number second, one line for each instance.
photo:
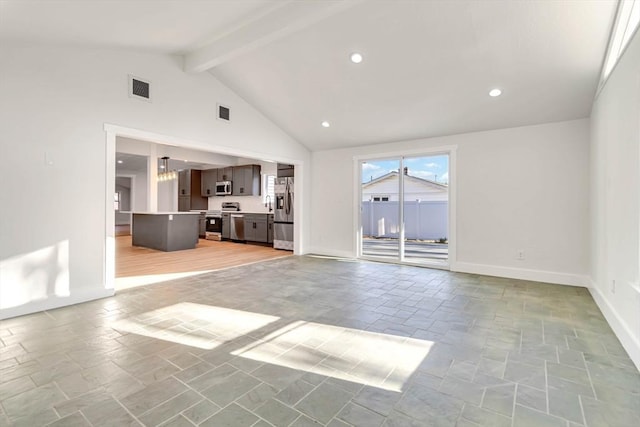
column 325, row 124
column 120, row 162
column 495, row 92
column 356, row 58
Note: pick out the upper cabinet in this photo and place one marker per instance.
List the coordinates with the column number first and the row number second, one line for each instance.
column 184, row 182
column 285, row 170
column 225, row 174
column 246, row 180
column 209, row 178
column 189, row 198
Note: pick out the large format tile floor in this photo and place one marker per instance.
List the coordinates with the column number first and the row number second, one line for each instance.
column 304, row 341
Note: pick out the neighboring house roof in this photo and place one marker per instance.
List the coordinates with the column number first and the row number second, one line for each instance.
column 394, row 174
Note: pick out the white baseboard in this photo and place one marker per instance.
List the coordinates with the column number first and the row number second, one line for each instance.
column 330, row 252
column 522, row 274
column 78, row 296
column 621, row 328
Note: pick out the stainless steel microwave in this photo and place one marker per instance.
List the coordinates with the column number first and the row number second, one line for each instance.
column 223, row 188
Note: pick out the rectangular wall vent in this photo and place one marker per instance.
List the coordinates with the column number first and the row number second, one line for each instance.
column 139, row 88
column 224, row 113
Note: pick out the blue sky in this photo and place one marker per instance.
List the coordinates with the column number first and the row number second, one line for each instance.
column 435, row 168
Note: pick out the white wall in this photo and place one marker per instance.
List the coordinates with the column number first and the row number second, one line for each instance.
column 615, row 199
column 521, row 188
column 168, row 196
column 140, row 192
column 54, row 103
column 123, row 185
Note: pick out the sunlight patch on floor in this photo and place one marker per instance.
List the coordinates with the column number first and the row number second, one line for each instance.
column 369, row 358
column 122, row 283
column 195, row 325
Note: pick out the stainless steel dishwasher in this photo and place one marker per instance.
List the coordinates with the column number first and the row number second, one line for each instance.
column 237, row 227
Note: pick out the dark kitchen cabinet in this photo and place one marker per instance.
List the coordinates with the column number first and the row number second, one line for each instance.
column 225, row 174
column 184, row 182
column 285, row 170
column 246, row 180
column 184, row 203
column 208, row 184
column 270, row 228
column 226, row 225
column 202, row 226
column 189, row 198
column 256, row 228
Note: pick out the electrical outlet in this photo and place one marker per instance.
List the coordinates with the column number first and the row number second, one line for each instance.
column 613, row 286
column 520, row 254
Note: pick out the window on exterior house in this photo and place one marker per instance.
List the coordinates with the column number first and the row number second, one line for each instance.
column 380, row 198
column 268, row 188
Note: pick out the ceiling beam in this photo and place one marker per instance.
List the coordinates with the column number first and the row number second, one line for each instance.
column 280, row 22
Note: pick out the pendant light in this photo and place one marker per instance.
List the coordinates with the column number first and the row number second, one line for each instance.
column 167, row 175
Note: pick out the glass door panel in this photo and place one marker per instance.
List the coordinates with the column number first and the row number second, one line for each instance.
column 426, row 209
column 404, row 209
column 380, row 209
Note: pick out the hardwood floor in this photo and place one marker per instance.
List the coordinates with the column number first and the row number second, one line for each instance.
column 208, row 255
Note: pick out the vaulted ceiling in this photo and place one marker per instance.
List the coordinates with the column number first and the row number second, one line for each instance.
column 428, row 65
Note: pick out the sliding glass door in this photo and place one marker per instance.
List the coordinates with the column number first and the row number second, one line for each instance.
column 379, row 209
column 404, row 209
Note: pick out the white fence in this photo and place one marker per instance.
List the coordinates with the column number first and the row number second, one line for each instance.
column 423, row 220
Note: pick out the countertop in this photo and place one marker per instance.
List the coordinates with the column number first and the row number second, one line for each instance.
column 248, row 212
column 166, row 213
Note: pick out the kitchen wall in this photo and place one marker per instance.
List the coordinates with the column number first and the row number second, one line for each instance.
column 140, row 192
column 247, row 203
column 520, row 188
column 615, row 200
column 123, row 187
column 54, row 104
column 168, row 196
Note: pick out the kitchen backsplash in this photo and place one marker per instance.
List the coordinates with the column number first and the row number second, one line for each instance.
column 247, row 203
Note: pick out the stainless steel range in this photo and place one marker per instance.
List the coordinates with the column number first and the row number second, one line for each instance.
column 213, row 222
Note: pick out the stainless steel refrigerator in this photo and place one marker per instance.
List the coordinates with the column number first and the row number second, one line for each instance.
column 283, row 215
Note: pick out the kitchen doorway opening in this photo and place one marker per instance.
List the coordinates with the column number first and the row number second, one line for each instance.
column 145, row 195
column 405, row 213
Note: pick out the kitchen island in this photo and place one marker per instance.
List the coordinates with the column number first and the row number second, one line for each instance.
column 165, row 231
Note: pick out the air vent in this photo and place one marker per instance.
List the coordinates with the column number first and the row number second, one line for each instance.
column 224, row 113
column 139, row 88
